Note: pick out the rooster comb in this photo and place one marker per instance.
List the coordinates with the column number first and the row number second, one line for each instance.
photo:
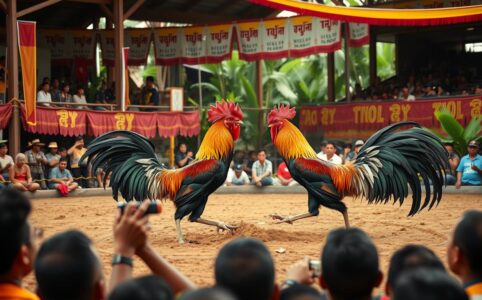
column 281, row 112
column 224, row 110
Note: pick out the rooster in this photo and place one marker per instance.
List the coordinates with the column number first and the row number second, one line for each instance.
column 385, row 164
column 138, row 174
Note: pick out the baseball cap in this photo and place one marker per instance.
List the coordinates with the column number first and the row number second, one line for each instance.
column 359, row 143
column 473, row 144
column 238, row 168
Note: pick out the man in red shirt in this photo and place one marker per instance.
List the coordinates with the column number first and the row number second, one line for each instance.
column 284, row 176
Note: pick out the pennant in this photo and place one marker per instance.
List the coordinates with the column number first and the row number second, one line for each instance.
column 27, row 45
column 125, row 76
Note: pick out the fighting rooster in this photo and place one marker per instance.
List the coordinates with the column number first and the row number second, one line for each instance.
column 137, row 174
column 385, row 164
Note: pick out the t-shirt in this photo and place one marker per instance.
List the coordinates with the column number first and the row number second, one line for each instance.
column 75, row 157
column 80, row 100
column 263, row 168
column 470, row 176
column 241, row 180
column 180, row 156
column 474, row 290
column 9, row 291
column 56, row 173
column 283, row 171
column 150, row 96
column 44, row 97
column 335, row 159
column 4, row 162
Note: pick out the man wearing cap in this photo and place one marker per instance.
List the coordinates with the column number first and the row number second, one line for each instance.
column 469, row 171
column 352, row 155
column 36, row 160
column 6, row 162
column 238, row 177
column 53, row 157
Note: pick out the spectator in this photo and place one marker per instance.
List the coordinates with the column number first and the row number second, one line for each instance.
column 149, row 287
column 78, row 170
column 330, row 154
column 428, row 284
column 53, row 157
column 21, row 176
column 300, row 292
column 37, row 161
column 149, row 93
column 410, row 257
column 406, row 95
column 183, row 157
column 17, row 252
column 454, row 162
column 55, row 91
column 61, row 179
column 358, row 95
column 322, row 149
column 6, row 161
column 238, row 177
column 100, row 107
column 245, row 267
column 353, row 155
column 208, row 294
column 252, row 158
column 79, row 98
column 478, row 89
column 346, row 151
column 65, row 95
column 43, row 96
column 63, row 153
column 464, row 253
column 262, row 170
column 284, row 176
column 469, row 171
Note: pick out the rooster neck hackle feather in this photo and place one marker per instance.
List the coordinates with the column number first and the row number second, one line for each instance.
column 217, row 144
column 291, row 143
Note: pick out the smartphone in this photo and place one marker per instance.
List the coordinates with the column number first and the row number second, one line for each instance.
column 153, row 208
column 315, row 266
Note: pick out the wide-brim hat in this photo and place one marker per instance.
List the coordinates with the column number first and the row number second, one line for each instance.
column 35, row 142
column 53, row 145
column 359, row 143
column 3, row 142
column 473, row 144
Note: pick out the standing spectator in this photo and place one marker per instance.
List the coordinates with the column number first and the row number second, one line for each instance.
column 469, row 171
column 183, row 157
column 149, row 93
column 65, row 95
column 330, row 154
column 284, row 176
column 20, row 175
column 53, row 157
column 6, row 161
column 406, row 95
column 78, row 170
column 43, row 96
column 36, row 160
column 17, row 252
column 238, row 177
column 262, row 170
column 454, row 161
column 352, row 155
column 79, row 98
column 55, row 92
column 61, row 179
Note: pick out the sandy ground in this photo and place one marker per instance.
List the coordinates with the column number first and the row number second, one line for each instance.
column 386, row 224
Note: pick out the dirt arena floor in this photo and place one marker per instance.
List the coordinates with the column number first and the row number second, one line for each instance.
column 386, row 224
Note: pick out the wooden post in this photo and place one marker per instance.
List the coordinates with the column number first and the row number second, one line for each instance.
column 330, row 58
column 259, row 95
column 118, row 45
column 373, row 55
column 347, row 65
column 12, row 76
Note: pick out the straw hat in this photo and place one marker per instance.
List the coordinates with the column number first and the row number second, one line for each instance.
column 35, row 142
column 53, row 145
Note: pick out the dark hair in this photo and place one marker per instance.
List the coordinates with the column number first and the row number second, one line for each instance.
column 66, row 267
column 245, row 267
column 14, row 229
column 261, row 150
column 79, row 138
column 150, row 287
column 214, row 293
column 45, row 83
column 64, row 85
column 468, row 237
column 427, row 284
column 62, row 149
column 300, row 291
column 349, row 264
column 64, row 159
column 3, row 145
column 412, row 257
column 150, row 78
column 180, row 144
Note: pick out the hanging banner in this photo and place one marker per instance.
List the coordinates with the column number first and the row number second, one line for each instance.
column 167, row 46
column 66, row 122
column 249, row 36
column 359, row 34
column 183, row 123
column 360, row 120
column 5, row 115
column 302, row 37
column 59, row 43
column 125, row 76
column 193, row 41
column 328, row 33
column 27, row 46
column 84, row 44
column 103, row 122
column 275, row 39
column 219, row 43
column 107, row 45
column 138, row 41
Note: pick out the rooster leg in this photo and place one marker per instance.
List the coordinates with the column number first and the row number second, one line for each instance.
column 180, row 238
column 220, row 225
column 290, row 219
column 345, row 217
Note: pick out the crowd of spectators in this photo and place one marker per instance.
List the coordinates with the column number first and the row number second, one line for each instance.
column 67, row 266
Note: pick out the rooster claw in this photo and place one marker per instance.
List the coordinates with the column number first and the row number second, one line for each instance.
column 282, row 219
column 223, row 226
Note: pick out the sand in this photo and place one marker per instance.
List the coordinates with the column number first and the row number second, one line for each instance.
column 388, row 225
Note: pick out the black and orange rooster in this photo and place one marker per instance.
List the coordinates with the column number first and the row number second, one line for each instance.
column 385, row 164
column 137, row 173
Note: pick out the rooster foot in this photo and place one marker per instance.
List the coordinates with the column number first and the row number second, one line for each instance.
column 223, row 226
column 282, row 219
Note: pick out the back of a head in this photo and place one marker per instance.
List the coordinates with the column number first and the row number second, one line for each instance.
column 468, row 237
column 300, row 292
column 245, row 268
column 427, row 284
column 208, row 294
column 143, row 288
column 66, row 267
column 350, row 264
column 412, row 257
column 14, row 230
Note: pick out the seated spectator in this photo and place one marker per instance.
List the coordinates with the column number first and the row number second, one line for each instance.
column 79, row 98
column 65, row 95
column 143, row 288
column 410, row 257
column 330, row 154
column 100, row 107
column 427, row 284
column 322, row 149
column 464, row 253
column 17, row 252
column 61, row 179
column 208, row 294
column 406, row 95
column 183, row 157
column 238, row 177
column 150, row 93
column 20, row 175
column 43, row 96
column 284, row 176
column 245, row 268
column 300, row 292
column 469, row 171
column 37, row 161
column 252, row 158
column 53, row 157
column 454, row 160
column 353, row 155
column 79, row 170
column 55, row 91
column 6, row 161
column 262, row 170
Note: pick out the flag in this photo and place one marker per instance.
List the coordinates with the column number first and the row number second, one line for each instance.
column 27, row 45
column 125, row 74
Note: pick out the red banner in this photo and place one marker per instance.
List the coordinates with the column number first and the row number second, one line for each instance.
column 27, row 46
column 5, row 115
column 185, row 124
column 66, row 122
column 103, row 122
column 360, row 120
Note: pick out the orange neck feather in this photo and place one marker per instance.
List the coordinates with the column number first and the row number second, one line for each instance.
column 217, row 144
column 291, row 143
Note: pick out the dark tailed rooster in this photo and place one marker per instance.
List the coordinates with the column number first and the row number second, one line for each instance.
column 389, row 162
column 137, row 173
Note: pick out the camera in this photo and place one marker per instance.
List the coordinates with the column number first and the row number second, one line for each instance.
column 315, row 266
column 153, row 208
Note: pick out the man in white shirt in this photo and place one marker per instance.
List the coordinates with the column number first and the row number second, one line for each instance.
column 262, row 170
column 79, row 98
column 238, row 177
column 330, row 154
column 6, row 161
column 43, row 96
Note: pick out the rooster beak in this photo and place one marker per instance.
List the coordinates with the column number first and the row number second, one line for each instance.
column 270, row 125
column 240, row 122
